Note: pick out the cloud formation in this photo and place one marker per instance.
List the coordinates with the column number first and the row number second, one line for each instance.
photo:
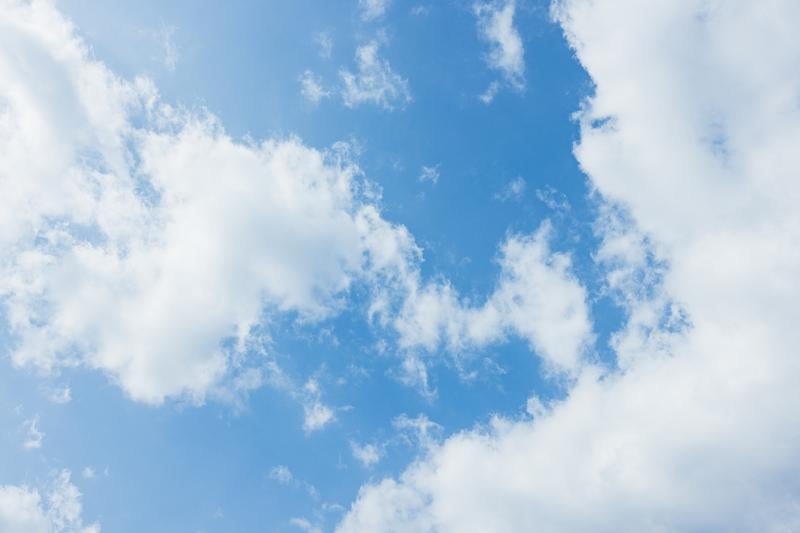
column 536, row 298
column 24, row 510
column 691, row 140
column 373, row 9
column 374, row 81
column 148, row 243
column 506, row 52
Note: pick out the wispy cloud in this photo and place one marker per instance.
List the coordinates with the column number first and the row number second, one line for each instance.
column 311, row 87
column 33, row 436
column 373, row 9
column 506, row 53
column 374, row 81
column 429, row 174
column 513, row 190
column 325, row 43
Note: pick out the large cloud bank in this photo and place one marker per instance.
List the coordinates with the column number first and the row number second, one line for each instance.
column 693, row 132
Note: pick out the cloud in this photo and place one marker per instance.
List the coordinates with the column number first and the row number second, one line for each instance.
column 422, row 430
column 506, row 52
column 33, row 436
column 166, row 38
column 311, row 88
column 23, row 510
column 374, row 81
column 553, row 199
column 305, row 525
column 325, row 43
column 149, row 244
column 373, row 9
column 59, row 395
column 430, row 174
column 316, row 415
column 281, row 474
column 691, row 135
column 512, row 191
column 367, row 454
column 536, row 298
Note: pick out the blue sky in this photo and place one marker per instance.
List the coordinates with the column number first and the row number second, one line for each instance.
column 386, row 266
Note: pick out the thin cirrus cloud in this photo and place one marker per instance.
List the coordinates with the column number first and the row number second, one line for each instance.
column 696, row 430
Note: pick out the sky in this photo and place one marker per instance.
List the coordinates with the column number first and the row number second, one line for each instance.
column 390, row 266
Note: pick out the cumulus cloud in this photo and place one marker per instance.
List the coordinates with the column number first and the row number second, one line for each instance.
column 692, row 132
column 536, row 298
column 506, row 52
column 24, row 510
column 374, row 81
column 149, row 244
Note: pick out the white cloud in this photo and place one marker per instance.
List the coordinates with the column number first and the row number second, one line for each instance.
column 514, row 190
column 506, row 52
column 536, row 298
column 149, row 244
column 316, row 415
column 59, row 395
column 166, row 39
column 23, row 510
column 374, row 81
column 33, row 436
column 693, row 130
column 424, row 431
column 311, row 87
column 367, row 454
column 420, row 10
column 305, row 525
column 487, row 97
column 373, row 9
column 281, row 474
column 325, row 43
column 430, row 174
column 553, row 199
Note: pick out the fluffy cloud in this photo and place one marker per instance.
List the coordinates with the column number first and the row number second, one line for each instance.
column 374, row 81
column 506, row 52
column 366, row 454
column 536, row 298
column 147, row 243
column 23, row 510
column 693, row 132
